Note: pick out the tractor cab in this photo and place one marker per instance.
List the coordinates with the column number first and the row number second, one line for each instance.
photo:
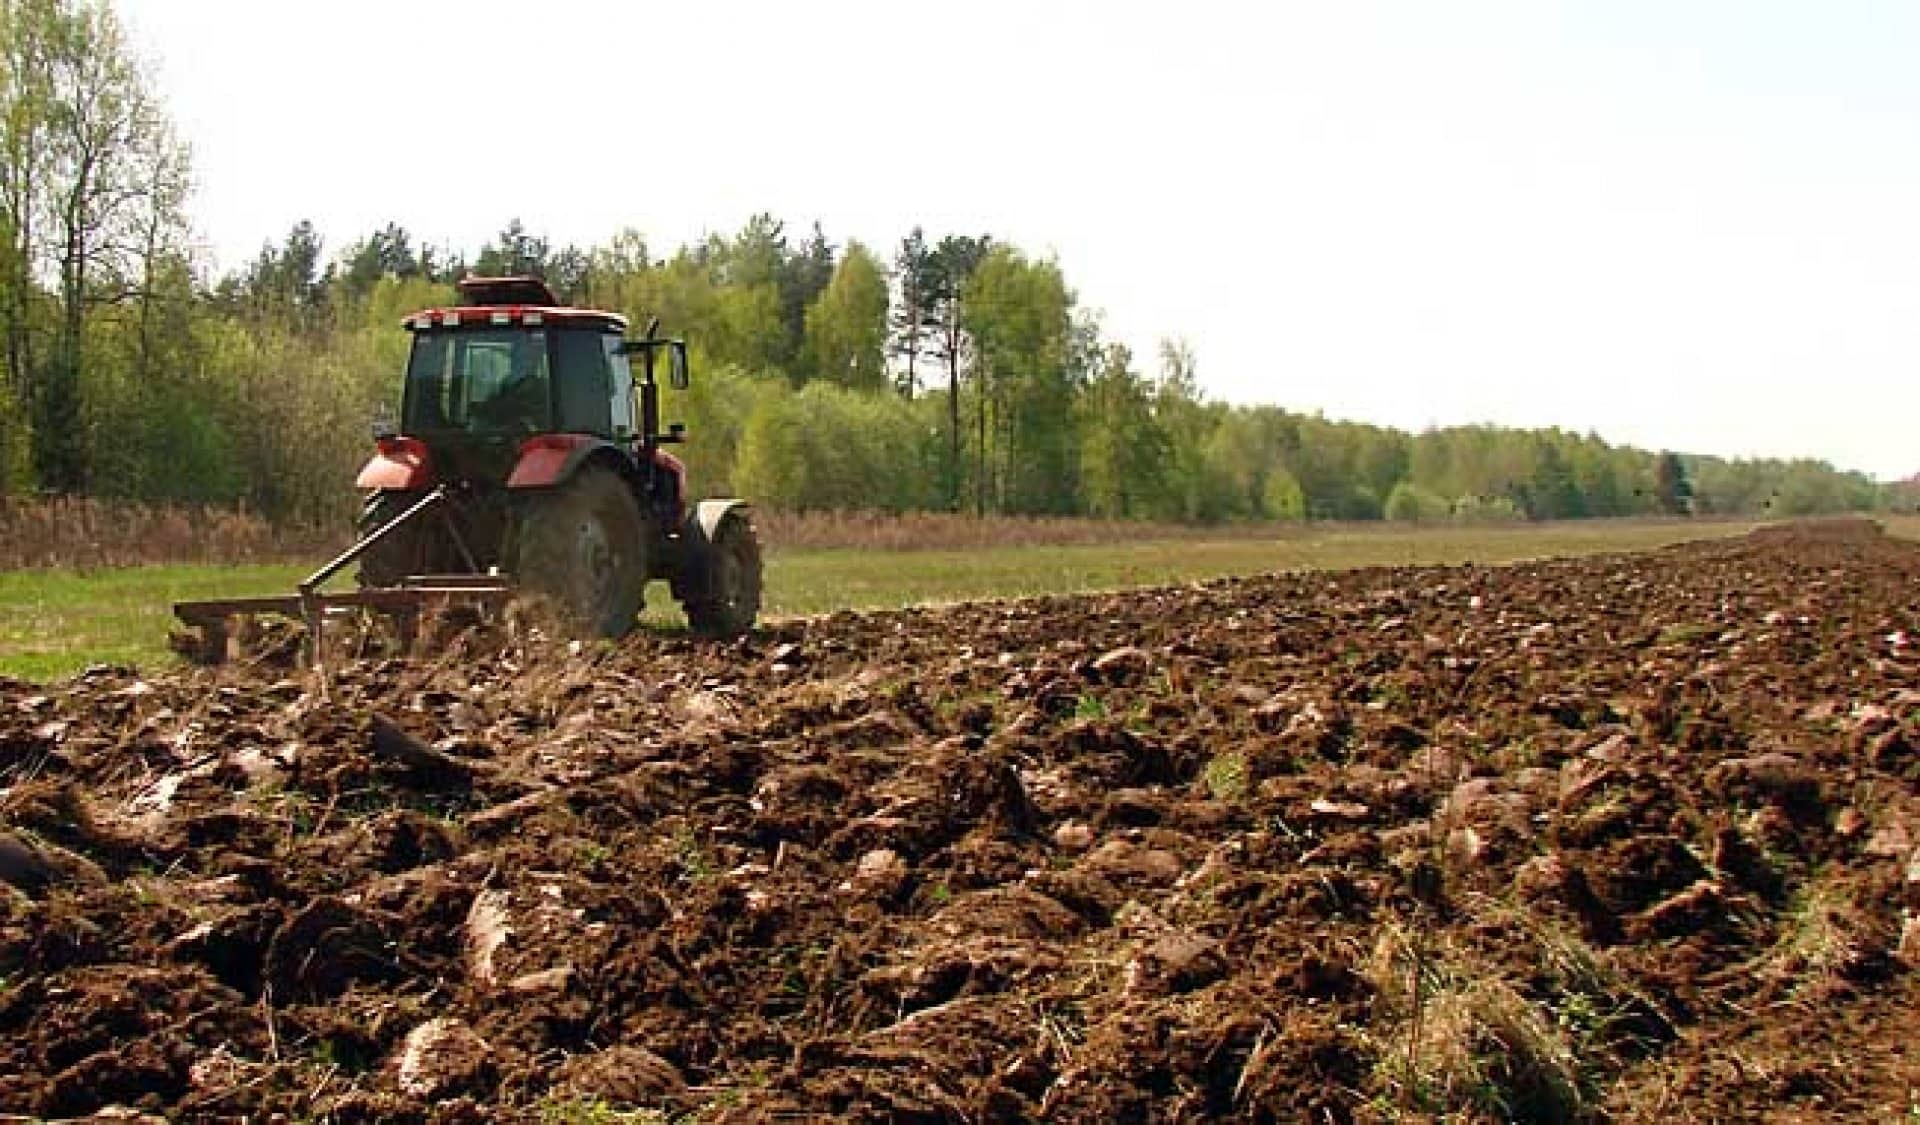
column 510, row 371
column 511, row 362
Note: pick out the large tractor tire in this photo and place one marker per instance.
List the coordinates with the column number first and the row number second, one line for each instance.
column 399, row 554
column 729, row 598
column 582, row 547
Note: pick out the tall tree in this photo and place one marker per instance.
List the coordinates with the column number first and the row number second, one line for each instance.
column 1179, row 370
column 737, row 282
column 283, row 285
column 1018, row 313
column 950, row 267
column 804, row 275
column 568, row 272
column 384, row 253
column 1671, row 490
column 910, row 321
column 163, row 260
column 1189, row 490
column 26, row 102
column 96, row 161
column 513, row 252
column 1122, row 448
column 847, row 324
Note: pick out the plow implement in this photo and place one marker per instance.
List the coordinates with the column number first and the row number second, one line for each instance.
column 404, row 602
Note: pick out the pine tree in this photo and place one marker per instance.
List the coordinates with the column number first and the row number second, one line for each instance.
column 1670, row 486
column 910, row 323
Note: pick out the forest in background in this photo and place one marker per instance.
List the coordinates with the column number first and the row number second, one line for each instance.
column 949, row 372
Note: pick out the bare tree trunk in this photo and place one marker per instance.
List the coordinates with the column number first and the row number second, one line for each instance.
column 57, row 423
column 24, row 123
column 982, row 379
column 953, row 413
column 913, row 353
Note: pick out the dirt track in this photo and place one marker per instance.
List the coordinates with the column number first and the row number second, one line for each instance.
column 1629, row 837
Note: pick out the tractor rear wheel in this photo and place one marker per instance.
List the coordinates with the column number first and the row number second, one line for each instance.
column 583, row 547
column 730, row 599
column 399, row 554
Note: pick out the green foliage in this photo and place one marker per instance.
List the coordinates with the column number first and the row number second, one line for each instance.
column 562, row 1107
column 1017, row 312
column 1225, row 776
column 1487, row 509
column 514, row 252
column 846, row 326
column 715, row 410
column 1196, row 486
column 91, row 188
column 1670, row 488
column 1806, row 488
column 16, row 447
column 1412, row 504
column 1281, row 497
column 1780, row 488
column 912, row 321
column 827, row 447
column 1122, row 447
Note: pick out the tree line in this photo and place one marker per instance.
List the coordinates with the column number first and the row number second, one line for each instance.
column 948, row 372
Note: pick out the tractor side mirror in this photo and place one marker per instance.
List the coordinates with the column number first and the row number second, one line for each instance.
column 677, row 366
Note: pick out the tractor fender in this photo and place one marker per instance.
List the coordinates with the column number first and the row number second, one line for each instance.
column 400, row 464
column 551, row 459
column 697, row 532
column 706, row 517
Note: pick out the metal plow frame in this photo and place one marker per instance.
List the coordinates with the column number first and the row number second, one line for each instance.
column 403, row 603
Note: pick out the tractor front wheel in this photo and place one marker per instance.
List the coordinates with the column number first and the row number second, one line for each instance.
column 582, row 547
column 730, row 599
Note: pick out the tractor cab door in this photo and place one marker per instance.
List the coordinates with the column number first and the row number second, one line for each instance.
column 625, row 426
column 585, row 384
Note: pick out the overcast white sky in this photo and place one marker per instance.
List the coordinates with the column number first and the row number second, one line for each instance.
column 1686, row 225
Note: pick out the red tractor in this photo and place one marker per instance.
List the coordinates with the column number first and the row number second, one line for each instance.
column 529, row 459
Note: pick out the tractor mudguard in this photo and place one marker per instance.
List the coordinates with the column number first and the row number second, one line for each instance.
column 551, row 459
column 696, row 532
column 707, row 515
column 400, row 465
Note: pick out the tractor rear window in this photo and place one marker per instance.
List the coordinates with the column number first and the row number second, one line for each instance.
column 480, row 380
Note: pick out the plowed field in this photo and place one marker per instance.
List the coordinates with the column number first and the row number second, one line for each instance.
column 1627, row 838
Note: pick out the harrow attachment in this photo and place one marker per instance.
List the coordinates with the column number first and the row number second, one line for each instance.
column 405, row 603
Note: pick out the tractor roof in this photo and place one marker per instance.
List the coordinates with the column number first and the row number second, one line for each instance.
column 477, row 291
column 511, row 300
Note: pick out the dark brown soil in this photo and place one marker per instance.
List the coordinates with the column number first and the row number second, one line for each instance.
column 1628, row 838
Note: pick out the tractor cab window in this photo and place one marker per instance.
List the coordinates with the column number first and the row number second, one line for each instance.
column 481, row 380
column 586, row 386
